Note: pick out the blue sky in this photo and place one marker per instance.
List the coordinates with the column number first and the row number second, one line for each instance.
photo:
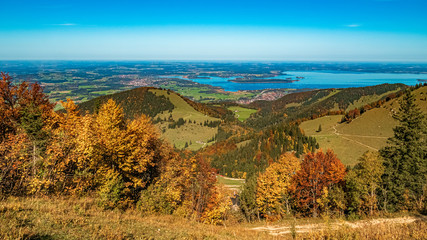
column 297, row 30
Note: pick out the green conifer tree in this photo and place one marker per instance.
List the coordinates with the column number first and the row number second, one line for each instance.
column 405, row 175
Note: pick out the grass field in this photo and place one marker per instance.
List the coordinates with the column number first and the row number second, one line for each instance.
column 242, row 113
column 230, row 181
column 195, row 135
column 350, row 140
column 205, row 94
column 420, row 99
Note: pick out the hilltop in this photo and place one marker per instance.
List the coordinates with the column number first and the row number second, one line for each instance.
column 184, row 123
column 273, row 128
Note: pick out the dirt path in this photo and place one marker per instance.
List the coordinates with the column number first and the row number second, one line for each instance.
column 306, row 228
column 342, row 136
column 236, row 179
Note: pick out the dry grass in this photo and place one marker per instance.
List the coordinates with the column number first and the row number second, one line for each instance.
column 48, row 218
column 44, row 218
column 384, row 231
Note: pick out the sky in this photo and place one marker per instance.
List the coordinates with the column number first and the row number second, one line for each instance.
column 253, row 30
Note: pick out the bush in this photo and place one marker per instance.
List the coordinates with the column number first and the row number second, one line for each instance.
column 111, row 192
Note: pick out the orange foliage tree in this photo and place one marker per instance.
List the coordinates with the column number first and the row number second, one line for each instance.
column 24, row 112
column 318, row 171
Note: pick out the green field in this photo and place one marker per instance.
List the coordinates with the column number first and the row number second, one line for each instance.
column 194, row 134
column 242, row 113
column 206, row 94
column 350, row 140
column 234, row 184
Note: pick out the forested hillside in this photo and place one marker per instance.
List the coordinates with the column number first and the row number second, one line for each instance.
column 184, row 123
column 251, row 154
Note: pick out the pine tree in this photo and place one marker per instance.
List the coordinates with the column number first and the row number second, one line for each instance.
column 405, row 176
column 32, row 122
column 247, row 199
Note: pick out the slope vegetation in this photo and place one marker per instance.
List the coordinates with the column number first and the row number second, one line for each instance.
column 370, row 131
column 183, row 123
column 308, row 105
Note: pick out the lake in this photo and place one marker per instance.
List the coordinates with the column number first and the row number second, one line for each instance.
column 315, row 80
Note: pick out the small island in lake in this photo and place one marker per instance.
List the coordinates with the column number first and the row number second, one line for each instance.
column 263, row 80
column 196, row 77
column 422, row 80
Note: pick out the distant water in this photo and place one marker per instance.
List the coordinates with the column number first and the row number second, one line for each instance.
column 316, row 80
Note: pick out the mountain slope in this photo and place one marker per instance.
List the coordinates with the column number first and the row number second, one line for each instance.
column 176, row 117
column 311, row 104
column 369, row 131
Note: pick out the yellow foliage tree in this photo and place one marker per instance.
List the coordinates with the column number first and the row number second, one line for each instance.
column 273, row 186
column 131, row 150
column 67, row 167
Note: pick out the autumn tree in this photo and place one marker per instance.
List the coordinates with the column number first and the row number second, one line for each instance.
column 273, row 187
column 363, row 182
column 405, row 159
column 18, row 99
column 217, row 206
column 318, row 170
column 170, row 192
column 15, row 164
column 24, row 112
column 68, row 167
column 131, row 150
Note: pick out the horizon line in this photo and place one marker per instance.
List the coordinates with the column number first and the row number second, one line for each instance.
column 215, row 60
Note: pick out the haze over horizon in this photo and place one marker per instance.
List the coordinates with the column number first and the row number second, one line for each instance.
column 306, row 30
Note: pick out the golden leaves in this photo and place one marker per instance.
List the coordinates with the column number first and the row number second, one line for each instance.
column 274, row 184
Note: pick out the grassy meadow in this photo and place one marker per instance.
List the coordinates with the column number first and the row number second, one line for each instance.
column 242, row 113
column 194, row 134
column 205, row 94
column 350, row 140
